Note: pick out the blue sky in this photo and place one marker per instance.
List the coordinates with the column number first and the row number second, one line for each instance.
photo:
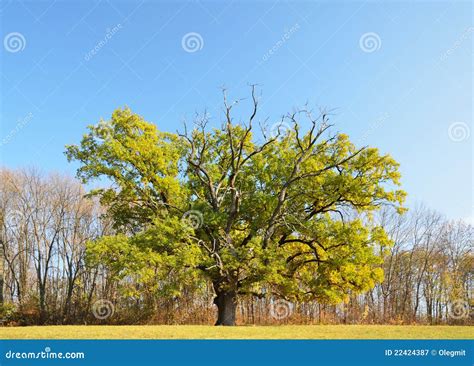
column 398, row 74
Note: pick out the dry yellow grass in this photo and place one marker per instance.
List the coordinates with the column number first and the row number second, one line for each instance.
column 241, row 332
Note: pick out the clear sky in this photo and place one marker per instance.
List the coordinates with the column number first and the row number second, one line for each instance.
column 399, row 75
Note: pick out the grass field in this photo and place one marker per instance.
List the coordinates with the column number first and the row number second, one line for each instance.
column 242, row 332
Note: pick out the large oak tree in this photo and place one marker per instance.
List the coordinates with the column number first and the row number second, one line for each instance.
column 285, row 212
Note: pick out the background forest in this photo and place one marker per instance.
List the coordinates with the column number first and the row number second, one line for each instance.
column 47, row 278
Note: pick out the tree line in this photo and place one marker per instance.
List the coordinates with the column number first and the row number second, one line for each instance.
column 49, row 278
column 242, row 224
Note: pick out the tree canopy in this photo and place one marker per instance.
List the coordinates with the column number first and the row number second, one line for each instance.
column 285, row 212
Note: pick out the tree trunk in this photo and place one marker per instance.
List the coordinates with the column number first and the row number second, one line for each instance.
column 42, row 303
column 226, row 302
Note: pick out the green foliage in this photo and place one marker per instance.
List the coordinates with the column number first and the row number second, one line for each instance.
column 161, row 259
column 8, row 313
column 141, row 161
column 290, row 215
